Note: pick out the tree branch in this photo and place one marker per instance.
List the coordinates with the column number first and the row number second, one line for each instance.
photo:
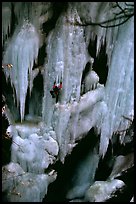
column 115, row 24
column 125, row 14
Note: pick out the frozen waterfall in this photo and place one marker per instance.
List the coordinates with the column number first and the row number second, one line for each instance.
column 46, row 131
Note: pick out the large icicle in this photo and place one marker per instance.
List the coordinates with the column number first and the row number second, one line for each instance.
column 21, row 52
column 119, row 92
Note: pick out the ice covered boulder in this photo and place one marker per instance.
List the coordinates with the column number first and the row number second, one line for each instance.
column 101, row 191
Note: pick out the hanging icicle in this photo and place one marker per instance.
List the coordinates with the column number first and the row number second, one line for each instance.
column 22, row 52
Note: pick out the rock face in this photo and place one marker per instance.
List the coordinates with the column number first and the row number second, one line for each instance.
column 47, row 42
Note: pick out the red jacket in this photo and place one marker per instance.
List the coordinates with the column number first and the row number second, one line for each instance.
column 60, row 86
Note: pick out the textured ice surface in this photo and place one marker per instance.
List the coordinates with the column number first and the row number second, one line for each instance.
column 22, row 51
column 31, row 150
column 67, row 55
column 91, row 81
column 66, row 46
column 23, row 186
column 122, row 164
column 119, row 90
column 101, row 191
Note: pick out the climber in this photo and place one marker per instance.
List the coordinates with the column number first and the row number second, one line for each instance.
column 56, row 90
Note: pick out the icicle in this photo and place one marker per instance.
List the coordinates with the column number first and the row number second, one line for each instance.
column 119, row 91
column 21, row 52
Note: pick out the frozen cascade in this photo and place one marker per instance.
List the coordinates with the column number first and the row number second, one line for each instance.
column 23, row 176
column 66, row 45
column 73, row 116
column 77, row 119
column 6, row 19
column 22, row 52
column 119, row 90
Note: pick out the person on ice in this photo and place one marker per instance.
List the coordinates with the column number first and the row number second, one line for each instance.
column 55, row 92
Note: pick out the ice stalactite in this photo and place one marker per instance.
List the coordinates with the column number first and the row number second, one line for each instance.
column 22, row 52
column 6, row 20
column 119, row 92
column 36, row 12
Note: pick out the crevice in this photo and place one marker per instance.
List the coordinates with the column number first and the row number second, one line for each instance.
column 100, row 64
column 42, row 55
column 58, row 8
column 58, row 189
column 8, row 92
column 33, row 105
column 92, row 47
column 100, row 61
column 6, row 141
column 105, row 163
column 86, row 71
column 13, row 20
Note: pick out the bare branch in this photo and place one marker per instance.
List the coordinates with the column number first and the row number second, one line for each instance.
column 108, row 26
column 104, row 22
column 124, row 14
column 131, row 120
column 123, row 11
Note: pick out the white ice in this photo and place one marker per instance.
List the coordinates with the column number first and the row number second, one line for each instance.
column 21, row 53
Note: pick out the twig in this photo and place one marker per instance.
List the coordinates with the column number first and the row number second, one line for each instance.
column 131, row 120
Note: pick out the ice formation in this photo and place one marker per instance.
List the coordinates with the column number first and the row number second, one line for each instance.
column 84, row 175
column 119, row 90
column 22, row 52
column 27, row 140
column 91, row 81
column 122, row 164
column 25, row 187
column 101, row 191
column 40, row 141
column 6, row 20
